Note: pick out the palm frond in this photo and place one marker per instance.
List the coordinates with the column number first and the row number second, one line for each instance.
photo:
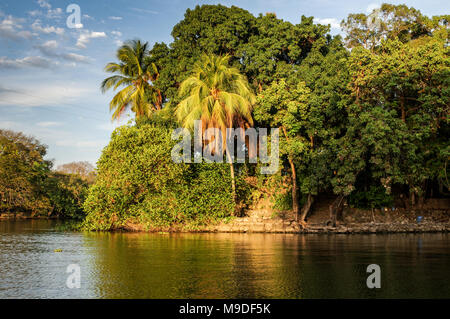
column 217, row 94
column 134, row 71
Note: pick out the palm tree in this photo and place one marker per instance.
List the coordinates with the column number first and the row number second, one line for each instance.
column 136, row 73
column 219, row 96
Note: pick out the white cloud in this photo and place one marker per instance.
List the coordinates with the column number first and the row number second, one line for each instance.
column 29, row 61
column 86, row 36
column 49, row 124
column 50, row 48
column 117, row 35
column 144, row 11
column 44, row 95
column 115, row 18
column 36, row 26
column 54, row 13
column 11, row 28
column 50, row 45
column 44, row 4
column 51, row 13
column 75, row 57
column 333, row 22
column 34, row 13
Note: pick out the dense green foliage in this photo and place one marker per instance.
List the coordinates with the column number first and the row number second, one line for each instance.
column 370, row 124
column 262, row 47
column 398, row 116
column 84, row 170
column 28, row 185
column 134, row 71
column 219, row 96
column 390, row 22
column 374, row 197
column 67, row 193
column 138, row 183
column 23, row 172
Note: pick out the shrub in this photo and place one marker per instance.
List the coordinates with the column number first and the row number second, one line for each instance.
column 66, row 193
column 375, row 197
column 138, row 182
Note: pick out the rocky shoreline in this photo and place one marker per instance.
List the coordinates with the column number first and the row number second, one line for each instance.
column 354, row 221
column 293, row 228
column 343, row 228
column 263, row 220
column 365, row 228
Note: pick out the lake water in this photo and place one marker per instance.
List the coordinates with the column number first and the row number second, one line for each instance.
column 140, row 265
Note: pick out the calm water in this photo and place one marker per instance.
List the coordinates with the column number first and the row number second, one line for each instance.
column 124, row 265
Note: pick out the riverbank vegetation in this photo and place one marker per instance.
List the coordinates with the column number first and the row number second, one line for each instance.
column 138, row 183
column 363, row 118
column 29, row 186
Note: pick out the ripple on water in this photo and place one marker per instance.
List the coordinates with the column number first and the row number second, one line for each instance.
column 130, row 265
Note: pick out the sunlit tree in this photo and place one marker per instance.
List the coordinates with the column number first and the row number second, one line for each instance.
column 219, row 96
column 135, row 73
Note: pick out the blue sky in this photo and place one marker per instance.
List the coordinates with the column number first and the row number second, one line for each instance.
column 50, row 74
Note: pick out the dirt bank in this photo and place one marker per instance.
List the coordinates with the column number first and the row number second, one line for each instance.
column 260, row 219
column 434, row 217
column 353, row 221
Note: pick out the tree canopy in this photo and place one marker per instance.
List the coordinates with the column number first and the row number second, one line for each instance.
column 364, row 118
column 27, row 184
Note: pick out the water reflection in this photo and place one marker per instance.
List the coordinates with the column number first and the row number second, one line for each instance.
column 130, row 265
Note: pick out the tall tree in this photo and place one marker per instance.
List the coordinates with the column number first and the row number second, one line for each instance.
column 135, row 73
column 219, row 96
column 399, row 115
column 276, row 46
column 325, row 73
column 23, row 172
column 263, row 48
column 387, row 23
column 308, row 106
column 84, row 170
column 285, row 107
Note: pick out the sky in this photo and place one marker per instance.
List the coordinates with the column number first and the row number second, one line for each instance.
column 50, row 71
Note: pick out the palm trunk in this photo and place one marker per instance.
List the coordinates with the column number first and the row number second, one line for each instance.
column 294, row 190
column 233, row 181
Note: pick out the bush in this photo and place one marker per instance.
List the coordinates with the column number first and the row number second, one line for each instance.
column 375, row 197
column 27, row 183
column 67, row 193
column 138, row 182
column 23, row 173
